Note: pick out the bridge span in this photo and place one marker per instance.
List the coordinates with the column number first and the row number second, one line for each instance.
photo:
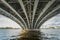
column 29, row 14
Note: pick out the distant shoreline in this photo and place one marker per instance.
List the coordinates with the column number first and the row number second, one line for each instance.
column 49, row 28
column 10, row 28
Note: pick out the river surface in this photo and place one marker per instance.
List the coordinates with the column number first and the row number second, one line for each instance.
column 51, row 34
column 13, row 34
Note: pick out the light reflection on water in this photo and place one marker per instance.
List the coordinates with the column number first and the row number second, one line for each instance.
column 6, row 34
column 51, row 34
column 46, row 34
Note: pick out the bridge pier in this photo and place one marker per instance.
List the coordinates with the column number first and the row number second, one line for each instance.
column 30, row 35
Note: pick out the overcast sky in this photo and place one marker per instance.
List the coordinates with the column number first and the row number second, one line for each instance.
column 4, row 21
column 54, row 21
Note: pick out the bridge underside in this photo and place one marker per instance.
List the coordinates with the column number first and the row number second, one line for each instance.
column 29, row 14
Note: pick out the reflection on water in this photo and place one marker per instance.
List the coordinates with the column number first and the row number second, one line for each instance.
column 30, row 35
column 50, row 34
column 6, row 34
column 45, row 34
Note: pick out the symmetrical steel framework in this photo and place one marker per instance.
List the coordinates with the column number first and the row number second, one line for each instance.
column 29, row 14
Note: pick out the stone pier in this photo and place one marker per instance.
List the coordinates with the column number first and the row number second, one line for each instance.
column 30, row 35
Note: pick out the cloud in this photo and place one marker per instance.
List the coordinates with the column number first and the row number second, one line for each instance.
column 4, row 21
column 54, row 21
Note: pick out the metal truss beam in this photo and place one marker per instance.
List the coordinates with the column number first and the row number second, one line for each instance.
column 5, row 13
column 44, row 10
column 24, row 10
column 3, row 1
column 50, row 13
column 34, row 10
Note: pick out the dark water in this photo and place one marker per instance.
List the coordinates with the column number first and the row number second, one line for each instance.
column 14, row 34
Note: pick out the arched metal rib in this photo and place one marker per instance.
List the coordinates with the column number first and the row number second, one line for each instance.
column 5, row 13
column 58, row 7
column 22, row 5
column 3, row 1
column 44, row 10
column 34, row 10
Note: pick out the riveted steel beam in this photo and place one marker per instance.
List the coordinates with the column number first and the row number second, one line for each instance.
column 6, row 4
column 44, row 10
column 5, row 13
column 24, row 10
column 50, row 13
